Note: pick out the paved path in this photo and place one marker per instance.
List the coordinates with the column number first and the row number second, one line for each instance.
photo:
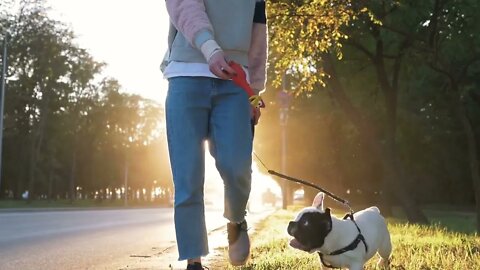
column 217, row 238
column 97, row 239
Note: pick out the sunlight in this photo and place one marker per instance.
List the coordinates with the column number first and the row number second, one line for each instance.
column 132, row 41
column 261, row 184
column 157, row 192
column 266, row 192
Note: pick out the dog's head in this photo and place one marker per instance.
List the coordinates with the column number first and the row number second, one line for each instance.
column 311, row 226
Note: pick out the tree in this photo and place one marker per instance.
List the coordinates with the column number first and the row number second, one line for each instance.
column 453, row 51
column 319, row 29
column 67, row 129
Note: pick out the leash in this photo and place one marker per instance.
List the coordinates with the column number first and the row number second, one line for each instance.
column 241, row 80
column 306, row 183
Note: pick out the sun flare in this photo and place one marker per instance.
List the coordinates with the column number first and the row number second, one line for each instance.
column 261, row 184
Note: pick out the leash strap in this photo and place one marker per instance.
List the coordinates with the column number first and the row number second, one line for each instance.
column 303, row 182
column 306, row 183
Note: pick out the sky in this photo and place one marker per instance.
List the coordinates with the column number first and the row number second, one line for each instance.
column 129, row 36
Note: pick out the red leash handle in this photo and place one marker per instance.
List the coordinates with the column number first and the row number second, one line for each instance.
column 241, row 80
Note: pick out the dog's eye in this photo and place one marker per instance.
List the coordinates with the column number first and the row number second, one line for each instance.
column 305, row 223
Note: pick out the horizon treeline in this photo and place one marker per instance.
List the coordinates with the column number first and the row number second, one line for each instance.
column 69, row 131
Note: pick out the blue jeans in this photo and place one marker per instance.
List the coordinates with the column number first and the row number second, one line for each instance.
column 200, row 109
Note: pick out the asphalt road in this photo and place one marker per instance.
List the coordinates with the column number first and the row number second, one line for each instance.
column 86, row 239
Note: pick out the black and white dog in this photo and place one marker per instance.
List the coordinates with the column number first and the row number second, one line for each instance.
column 341, row 243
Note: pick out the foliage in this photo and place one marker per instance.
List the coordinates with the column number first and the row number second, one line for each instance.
column 402, row 68
column 301, row 31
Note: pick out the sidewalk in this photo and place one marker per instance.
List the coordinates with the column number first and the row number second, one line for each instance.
column 166, row 259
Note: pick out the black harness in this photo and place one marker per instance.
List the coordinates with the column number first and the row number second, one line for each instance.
column 352, row 246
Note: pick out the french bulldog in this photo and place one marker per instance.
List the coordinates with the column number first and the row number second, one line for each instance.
column 341, row 243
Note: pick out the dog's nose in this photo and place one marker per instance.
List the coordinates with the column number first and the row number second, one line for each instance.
column 292, row 228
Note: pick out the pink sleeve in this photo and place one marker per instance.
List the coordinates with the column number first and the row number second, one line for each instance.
column 190, row 18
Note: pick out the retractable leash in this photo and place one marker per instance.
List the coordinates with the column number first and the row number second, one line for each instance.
column 306, row 183
column 241, row 80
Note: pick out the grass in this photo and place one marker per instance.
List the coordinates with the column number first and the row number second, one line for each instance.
column 462, row 222
column 23, row 204
column 436, row 247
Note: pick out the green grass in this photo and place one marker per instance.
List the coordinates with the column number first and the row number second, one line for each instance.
column 454, row 221
column 22, row 204
column 416, row 247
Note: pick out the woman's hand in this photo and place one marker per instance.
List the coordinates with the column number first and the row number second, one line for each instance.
column 219, row 66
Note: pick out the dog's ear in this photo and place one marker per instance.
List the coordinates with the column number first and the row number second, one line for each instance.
column 318, row 201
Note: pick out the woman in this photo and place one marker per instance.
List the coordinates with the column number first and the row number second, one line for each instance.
column 204, row 104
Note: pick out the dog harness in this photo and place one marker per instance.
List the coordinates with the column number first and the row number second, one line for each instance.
column 352, row 246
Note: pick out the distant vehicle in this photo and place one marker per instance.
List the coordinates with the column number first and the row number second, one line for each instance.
column 299, row 196
column 268, row 197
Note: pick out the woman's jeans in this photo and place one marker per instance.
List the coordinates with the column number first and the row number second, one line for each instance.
column 200, row 109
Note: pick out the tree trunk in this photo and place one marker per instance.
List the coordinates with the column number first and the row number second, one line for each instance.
column 36, row 146
column 32, row 168
column 50, row 184
column 390, row 92
column 71, row 191
column 23, row 176
column 472, row 152
column 475, row 95
column 284, row 189
column 387, row 155
column 38, row 134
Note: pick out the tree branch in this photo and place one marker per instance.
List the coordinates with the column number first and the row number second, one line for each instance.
column 360, row 47
column 441, row 71
column 472, row 61
column 475, row 96
column 432, row 28
column 398, row 62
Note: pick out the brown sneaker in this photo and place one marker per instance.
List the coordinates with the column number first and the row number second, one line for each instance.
column 196, row 266
column 238, row 243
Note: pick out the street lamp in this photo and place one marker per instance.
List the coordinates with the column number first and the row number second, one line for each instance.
column 284, row 101
column 2, row 101
column 130, row 140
